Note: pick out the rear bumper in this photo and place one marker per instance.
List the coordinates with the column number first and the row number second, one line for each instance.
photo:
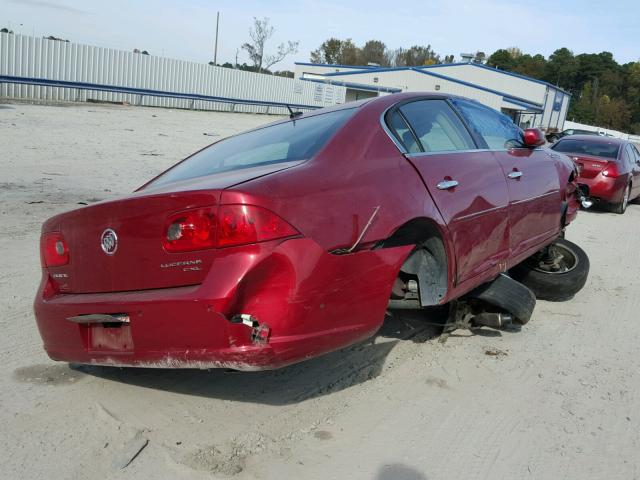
column 313, row 302
column 606, row 189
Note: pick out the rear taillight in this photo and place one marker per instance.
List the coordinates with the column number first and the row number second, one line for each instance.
column 611, row 170
column 231, row 225
column 243, row 224
column 54, row 250
column 191, row 230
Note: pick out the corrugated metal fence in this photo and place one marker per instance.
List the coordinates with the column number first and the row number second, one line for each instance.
column 38, row 58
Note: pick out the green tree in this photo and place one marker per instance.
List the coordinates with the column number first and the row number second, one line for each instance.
column 561, row 69
column 349, row 53
column 582, row 105
column 632, row 92
column 613, row 113
column 373, row 52
column 502, row 59
column 480, row 57
column 328, row 52
column 531, row 66
column 515, row 52
column 416, row 56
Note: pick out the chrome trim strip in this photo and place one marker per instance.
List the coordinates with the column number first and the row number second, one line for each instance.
column 472, row 215
column 447, row 152
column 100, row 318
column 536, row 197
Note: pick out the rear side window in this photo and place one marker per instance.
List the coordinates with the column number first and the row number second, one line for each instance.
column 585, row 147
column 436, row 127
column 498, row 131
column 402, row 132
column 294, row 140
column 631, row 154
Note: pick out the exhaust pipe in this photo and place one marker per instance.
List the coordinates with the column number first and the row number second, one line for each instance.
column 493, row 320
column 586, row 202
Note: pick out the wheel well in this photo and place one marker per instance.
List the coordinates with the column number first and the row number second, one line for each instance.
column 412, row 233
column 428, row 261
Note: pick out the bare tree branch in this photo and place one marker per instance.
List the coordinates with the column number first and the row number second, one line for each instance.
column 259, row 34
column 283, row 51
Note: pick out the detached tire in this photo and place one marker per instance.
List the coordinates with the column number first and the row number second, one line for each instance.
column 509, row 295
column 555, row 274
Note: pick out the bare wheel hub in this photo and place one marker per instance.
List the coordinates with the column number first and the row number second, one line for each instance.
column 555, row 259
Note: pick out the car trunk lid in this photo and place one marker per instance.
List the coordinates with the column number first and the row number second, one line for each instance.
column 138, row 221
column 589, row 166
column 138, row 260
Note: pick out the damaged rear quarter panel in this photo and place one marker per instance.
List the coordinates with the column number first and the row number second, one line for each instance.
column 315, row 302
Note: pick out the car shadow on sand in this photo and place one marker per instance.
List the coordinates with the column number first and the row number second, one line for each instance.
column 316, row 377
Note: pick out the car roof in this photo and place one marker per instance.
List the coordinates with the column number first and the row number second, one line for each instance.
column 595, row 139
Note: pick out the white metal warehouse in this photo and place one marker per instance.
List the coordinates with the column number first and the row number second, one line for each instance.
column 529, row 102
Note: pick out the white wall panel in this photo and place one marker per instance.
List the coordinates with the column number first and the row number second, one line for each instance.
column 26, row 56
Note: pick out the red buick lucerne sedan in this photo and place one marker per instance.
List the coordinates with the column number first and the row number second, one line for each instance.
column 609, row 168
column 288, row 241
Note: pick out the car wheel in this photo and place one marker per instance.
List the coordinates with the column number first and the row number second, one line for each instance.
column 621, row 207
column 556, row 273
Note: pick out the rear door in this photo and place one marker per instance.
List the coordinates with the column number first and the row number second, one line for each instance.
column 531, row 175
column 466, row 184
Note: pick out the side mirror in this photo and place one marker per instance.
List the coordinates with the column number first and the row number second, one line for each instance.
column 533, row 137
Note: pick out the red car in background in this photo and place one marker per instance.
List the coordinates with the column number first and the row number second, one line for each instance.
column 609, row 168
column 288, row 241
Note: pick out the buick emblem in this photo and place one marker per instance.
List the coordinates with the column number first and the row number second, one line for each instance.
column 109, row 241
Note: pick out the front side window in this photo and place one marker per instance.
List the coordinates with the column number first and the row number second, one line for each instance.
column 586, row 147
column 496, row 129
column 436, row 127
column 293, row 140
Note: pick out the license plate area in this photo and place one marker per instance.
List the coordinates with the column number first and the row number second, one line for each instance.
column 110, row 337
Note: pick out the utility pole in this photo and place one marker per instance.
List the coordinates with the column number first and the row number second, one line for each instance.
column 215, row 49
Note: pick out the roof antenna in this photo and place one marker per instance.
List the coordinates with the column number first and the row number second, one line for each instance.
column 293, row 114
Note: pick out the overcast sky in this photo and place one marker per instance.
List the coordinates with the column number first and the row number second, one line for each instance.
column 186, row 29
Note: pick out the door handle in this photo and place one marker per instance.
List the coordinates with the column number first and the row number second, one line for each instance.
column 515, row 175
column 447, row 184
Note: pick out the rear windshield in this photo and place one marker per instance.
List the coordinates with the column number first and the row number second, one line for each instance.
column 585, row 147
column 294, row 140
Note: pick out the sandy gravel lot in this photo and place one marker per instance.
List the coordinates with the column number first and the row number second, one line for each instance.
column 561, row 400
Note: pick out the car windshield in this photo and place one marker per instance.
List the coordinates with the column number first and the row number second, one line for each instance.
column 294, row 140
column 585, row 147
